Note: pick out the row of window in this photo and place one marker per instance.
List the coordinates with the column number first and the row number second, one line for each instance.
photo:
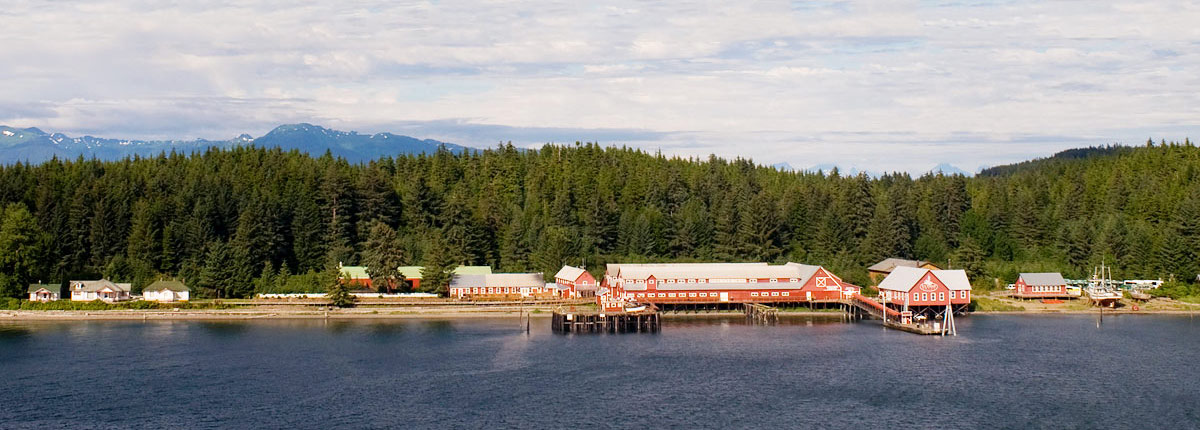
column 940, row 296
column 686, row 295
column 721, row 281
column 1043, row 289
column 499, row 290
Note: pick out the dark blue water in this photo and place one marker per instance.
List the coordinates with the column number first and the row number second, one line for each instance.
column 1000, row 372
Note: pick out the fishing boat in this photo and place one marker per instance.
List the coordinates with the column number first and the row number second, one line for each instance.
column 1101, row 290
column 1139, row 295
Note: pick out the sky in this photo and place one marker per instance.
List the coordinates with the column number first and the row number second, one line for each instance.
column 877, row 86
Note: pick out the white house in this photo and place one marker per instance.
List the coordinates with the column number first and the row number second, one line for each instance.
column 105, row 290
column 166, row 291
column 44, row 292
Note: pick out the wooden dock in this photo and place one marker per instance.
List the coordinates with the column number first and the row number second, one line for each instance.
column 758, row 313
column 569, row 320
column 923, row 329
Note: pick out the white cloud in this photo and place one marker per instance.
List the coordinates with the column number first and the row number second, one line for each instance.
column 899, row 85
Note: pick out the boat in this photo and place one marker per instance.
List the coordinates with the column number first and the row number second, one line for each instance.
column 1139, row 295
column 1101, row 290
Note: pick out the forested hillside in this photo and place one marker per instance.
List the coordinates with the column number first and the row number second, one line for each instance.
column 239, row 219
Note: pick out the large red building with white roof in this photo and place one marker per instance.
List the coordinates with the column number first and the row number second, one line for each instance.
column 925, row 291
column 683, row 283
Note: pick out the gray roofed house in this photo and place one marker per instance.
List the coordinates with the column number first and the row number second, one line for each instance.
column 45, row 292
column 881, row 269
column 103, row 289
column 1043, row 279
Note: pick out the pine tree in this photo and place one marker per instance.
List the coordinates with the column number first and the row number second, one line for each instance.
column 338, row 289
column 383, row 256
column 21, row 246
column 438, row 266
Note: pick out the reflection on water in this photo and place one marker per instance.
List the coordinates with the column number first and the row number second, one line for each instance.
column 224, row 329
column 702, row 372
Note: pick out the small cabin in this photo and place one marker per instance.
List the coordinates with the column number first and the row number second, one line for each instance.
column 166, row 292
column 1040, row 286
column 45, row 292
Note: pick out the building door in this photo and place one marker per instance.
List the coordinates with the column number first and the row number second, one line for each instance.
column 808, row 295
column 724, row 296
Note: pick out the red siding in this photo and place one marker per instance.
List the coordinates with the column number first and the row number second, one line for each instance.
column 1023, row 289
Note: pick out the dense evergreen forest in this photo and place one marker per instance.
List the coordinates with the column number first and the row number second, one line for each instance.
column 247, row 220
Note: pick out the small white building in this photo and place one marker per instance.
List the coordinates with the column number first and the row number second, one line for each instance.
column 104, row 290
column 45, row 292
column 166, row 291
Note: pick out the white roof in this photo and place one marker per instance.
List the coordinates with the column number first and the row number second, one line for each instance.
column 714, row 272
column 569, row 273
column 1043, row 279
column 530, row 280
column 905, row 278
column 615, row 269
column 93, row 286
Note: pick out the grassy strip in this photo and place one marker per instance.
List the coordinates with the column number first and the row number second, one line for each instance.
column 984, row 304
column 97, row 305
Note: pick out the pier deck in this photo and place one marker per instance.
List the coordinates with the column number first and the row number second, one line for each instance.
column 576, row 320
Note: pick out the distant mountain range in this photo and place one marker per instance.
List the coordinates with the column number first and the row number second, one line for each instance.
column 34, row 145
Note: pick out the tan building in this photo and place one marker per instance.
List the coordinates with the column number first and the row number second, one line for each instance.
column 880, row 270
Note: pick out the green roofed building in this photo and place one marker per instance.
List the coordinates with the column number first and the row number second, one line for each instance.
column 412, row 274
column 166, row 291
column 356, row 276
column 45, row 292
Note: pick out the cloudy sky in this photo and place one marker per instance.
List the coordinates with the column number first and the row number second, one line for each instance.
column 880, row 86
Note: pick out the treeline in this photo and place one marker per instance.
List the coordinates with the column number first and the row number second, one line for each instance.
column 250, row 219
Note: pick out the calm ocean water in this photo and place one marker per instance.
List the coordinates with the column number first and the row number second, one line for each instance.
column 1000, row 372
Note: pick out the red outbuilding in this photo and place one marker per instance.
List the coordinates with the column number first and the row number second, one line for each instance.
column 1040, row 286
column 574, row 282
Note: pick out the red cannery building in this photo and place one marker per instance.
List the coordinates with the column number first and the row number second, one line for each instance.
column 697, row 283
column 926, row 292
column 1040, row 286
column 575, row 282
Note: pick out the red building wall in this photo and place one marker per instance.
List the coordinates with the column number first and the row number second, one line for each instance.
column 1024, row 289
column 929, row 291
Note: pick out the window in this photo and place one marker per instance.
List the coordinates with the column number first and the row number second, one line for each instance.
column 691, row 281
column 924, row 297
column 941, row 297
column 670, row 281
column 966, row 294
column 671, row 295
column 774, row 281
column 662, row 294
column 753, row 280
column 792, row 280
column 952, row 294
column 691, row 294
column 785, row 293
column 754, row 294
column 774, row 294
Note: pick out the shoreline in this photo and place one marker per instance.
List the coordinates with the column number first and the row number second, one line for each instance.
column 438, row 313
